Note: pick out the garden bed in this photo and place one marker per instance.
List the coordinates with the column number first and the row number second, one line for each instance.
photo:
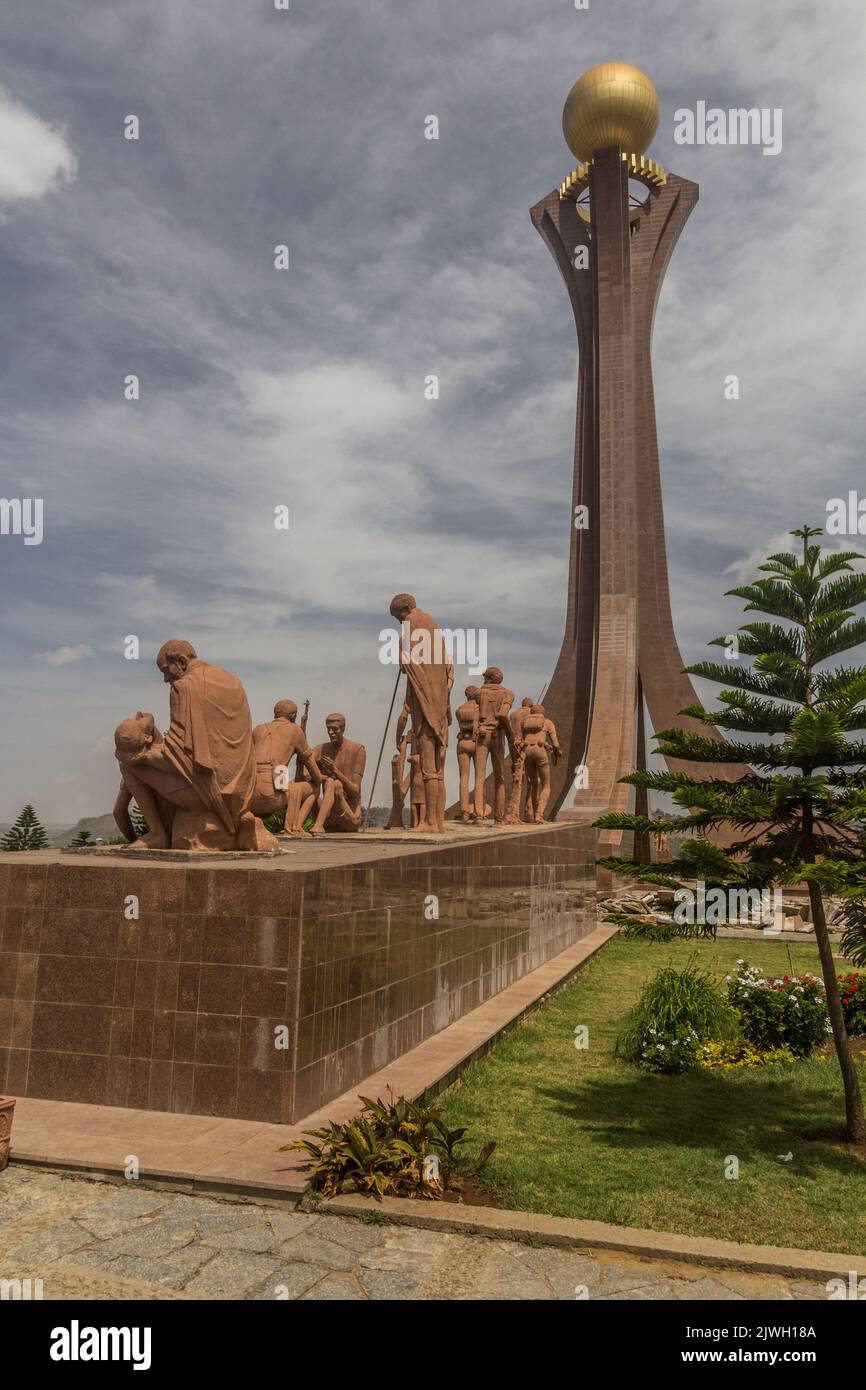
column 583, row 1133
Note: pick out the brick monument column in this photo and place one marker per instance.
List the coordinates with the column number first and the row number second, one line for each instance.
column 612, row 248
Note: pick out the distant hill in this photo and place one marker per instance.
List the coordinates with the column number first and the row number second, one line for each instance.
column 104, row 828
column 101, row 828
column 379, row 815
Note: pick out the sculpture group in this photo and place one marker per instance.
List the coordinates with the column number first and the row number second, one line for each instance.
column 209, row 782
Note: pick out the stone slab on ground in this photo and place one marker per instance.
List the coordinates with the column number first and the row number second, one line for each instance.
column 566, row 1233
column 88, row 1239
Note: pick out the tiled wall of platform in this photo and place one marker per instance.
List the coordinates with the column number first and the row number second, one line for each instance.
column 260, row 992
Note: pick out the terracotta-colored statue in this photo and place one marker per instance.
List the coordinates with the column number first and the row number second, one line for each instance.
column 514, row 812
column 418, row 797
column 399, row 784
column 276, row 744
column 429, row 677
column 402, row 781
column 467, row 733
column 132, row 737
column 494, row 705
column 341, row 764
column 539, row 745
column 195, row 789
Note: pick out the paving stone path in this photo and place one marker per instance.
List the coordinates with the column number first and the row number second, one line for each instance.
column 99, row 1240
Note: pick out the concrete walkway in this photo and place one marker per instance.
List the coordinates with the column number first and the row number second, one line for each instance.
column 100, row 1240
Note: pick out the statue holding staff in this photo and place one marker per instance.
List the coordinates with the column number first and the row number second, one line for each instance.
column 429, row 677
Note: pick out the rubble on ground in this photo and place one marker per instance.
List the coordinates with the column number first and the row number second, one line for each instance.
column 657, row 905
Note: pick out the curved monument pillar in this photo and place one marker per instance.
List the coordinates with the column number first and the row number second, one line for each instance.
column 612, row 251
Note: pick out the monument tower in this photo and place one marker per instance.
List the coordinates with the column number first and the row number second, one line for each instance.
column 611, row 227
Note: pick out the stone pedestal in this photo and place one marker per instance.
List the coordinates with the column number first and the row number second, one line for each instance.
column 260, row 988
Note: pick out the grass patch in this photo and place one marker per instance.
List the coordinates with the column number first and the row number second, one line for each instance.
column 585, row 1134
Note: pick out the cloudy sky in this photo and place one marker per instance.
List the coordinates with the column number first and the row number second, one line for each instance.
column 408, row 257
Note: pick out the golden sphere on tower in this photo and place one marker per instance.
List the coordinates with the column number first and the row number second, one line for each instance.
column 612, row 104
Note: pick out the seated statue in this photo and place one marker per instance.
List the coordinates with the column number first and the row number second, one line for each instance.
column 131, row 737
column 276, row 743
column 195, row 788
column 341, row 764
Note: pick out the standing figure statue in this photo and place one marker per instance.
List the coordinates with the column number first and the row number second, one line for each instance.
column 341, row 764
column 467, row 736
column 515, row 810
column 539, row 745
column 494, row 705
column 276, row 744
column 429, row 677
column 400, row 783
column 196, row 787
column 417, row 796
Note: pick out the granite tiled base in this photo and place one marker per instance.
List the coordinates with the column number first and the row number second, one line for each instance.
column 261, row 990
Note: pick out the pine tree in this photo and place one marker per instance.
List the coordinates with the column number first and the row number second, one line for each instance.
column 81, row 839
column 139, row 824
column 799, row 815
column 28, row 832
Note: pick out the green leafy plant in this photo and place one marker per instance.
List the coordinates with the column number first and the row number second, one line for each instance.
column 28, row 832
column 853, row 988
column 391, row 1148
column 799, row 816
column 787, row 1012
column 853, row 915
column 737, row 1055
column 647, row 929
column 672, row 1049
column 275, row 821
column 373, row 1218
column 676, row 1012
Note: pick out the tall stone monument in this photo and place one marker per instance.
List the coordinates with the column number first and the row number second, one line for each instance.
column 611, row 227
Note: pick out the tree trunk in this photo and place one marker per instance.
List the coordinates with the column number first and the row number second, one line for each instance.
column 855, row 1121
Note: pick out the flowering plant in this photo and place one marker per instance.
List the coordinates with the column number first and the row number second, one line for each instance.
column 852, row 988
column 670, row 1049
column 735, row 1055
column 790, row 1011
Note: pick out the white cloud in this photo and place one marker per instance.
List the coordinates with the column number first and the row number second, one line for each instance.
column 35, row 157
column 64, row 656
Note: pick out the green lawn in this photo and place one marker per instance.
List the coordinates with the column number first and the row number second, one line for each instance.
column 583, row 1134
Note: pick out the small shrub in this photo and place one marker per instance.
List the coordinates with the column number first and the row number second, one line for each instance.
column 735, row 1054
column 852, row 987
column 668, row 1050
column 673, row 1006
column 392, row 1149
column 787, row 1012
column 275, row 822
